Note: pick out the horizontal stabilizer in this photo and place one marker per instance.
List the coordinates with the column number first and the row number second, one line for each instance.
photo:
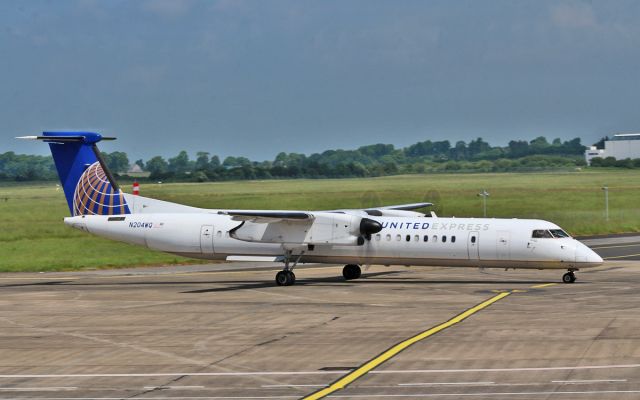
column 83, row 137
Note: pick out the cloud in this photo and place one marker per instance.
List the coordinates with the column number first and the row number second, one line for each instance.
column 573, row 15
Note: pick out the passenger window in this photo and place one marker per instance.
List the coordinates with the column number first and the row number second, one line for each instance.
column 473, row 239
column 453, row 239
column 444, row 239
column 398, row 238
column 219, row 234
column 388, row 237
column 426, row 238
column 435, row 238
column 378, row 237
column 408, row 238
column 416, row 238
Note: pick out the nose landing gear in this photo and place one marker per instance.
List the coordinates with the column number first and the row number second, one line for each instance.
column 569, row 277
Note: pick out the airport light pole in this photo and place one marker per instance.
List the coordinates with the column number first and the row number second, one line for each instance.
column 606, row 202
column 484, row 194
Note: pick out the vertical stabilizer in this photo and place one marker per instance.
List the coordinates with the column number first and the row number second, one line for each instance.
column 88, row 186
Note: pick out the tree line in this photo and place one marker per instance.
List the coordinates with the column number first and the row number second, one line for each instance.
column 372, row 160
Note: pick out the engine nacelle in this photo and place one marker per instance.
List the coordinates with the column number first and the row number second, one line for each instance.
column 369, row 227
column 324, row 228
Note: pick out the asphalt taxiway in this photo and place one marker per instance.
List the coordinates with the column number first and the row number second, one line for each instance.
column 616, row 248
column 222, row 332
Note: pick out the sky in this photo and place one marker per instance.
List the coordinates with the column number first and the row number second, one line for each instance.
column 254, row 78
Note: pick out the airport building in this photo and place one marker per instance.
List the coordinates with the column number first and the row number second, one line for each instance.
column 620, row 146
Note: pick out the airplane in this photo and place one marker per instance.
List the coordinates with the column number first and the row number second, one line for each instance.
column 390, row 235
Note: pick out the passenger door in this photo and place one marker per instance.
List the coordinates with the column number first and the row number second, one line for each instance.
column 473, row 247
column 503, row 245
column 206, row 239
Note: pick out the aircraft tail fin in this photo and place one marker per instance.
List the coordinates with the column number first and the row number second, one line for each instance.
column 87, row 183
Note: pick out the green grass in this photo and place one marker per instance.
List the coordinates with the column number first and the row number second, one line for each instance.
column 33, row 237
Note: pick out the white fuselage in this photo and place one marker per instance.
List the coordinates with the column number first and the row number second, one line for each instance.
column 432, row 241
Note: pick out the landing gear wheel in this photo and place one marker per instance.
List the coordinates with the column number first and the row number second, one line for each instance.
column 285, row 278
column 281, row 278
column 569, row 277
column 351, row 271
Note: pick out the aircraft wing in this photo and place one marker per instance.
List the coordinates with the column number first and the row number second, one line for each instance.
column 399, row 210
column 267, row 216
column 302, row 228
column 404, row 207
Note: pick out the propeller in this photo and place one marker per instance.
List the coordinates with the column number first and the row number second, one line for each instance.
column 433, row 196
column 368, row 227
column 369, row 199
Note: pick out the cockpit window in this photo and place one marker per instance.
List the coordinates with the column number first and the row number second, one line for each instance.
column 541, row 233
column 559, row 233
column 548, row 234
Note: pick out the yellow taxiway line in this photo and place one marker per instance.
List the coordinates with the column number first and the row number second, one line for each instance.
column 618, row 245
column 543, row 285
column 625, row 256
column 375, row 362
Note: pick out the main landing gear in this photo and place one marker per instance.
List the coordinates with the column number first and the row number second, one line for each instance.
column 569, row 277
column 286, row 277
column 351, row 271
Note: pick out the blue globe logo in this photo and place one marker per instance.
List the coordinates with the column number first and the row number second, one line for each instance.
column 94, row 195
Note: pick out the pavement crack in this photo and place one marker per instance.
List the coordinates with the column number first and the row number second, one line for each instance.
column 239, row 352
column 143, row 349
column 570, row 374
column 275, row 340
column 157, row 388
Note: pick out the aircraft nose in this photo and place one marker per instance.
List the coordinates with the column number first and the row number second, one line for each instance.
column 585, row 255
column 594, row 258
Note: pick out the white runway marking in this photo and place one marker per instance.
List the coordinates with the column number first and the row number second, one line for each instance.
column 164, row 398
column 38, row 389
column 447, row 384
column 136, row 375
column 415, row 395
column 173, row 387
column 564, row 368
column 542, row 393
column 581, row 381
column 292, row 385
column 332, row 372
